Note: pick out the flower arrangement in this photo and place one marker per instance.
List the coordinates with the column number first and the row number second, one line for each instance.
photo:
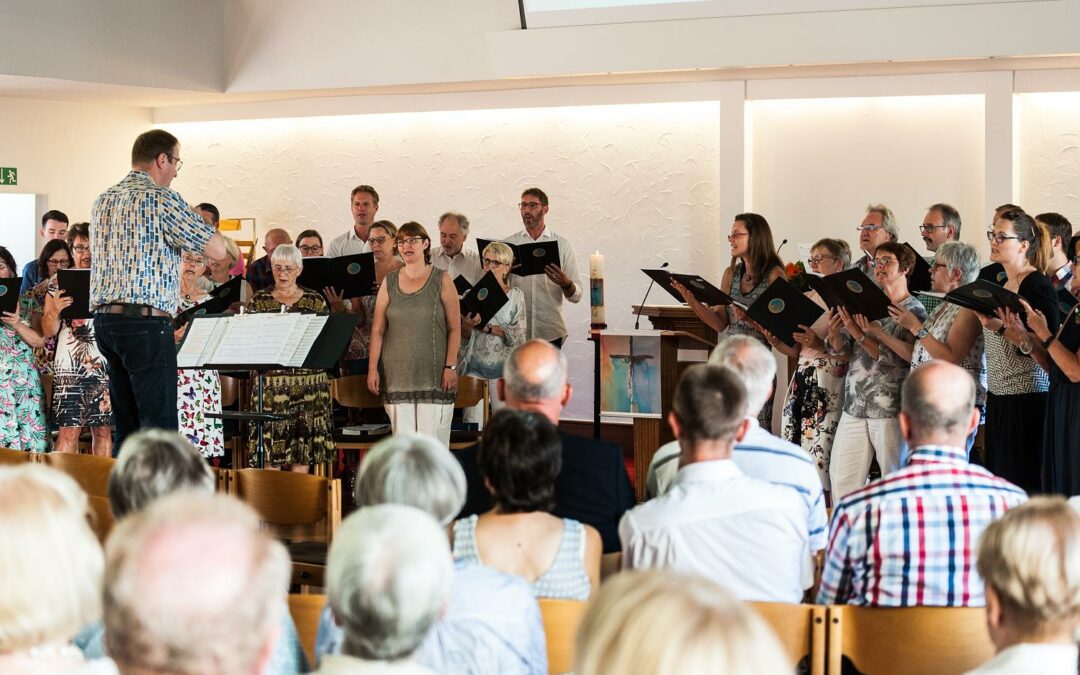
column 796, row 274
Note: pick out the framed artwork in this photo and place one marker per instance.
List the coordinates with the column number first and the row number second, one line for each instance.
column 630, row 373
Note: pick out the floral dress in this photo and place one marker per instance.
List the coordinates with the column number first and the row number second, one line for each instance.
column 198, row 392
column 22, row 401
column 737, row 326
column 80, row 376
column 35, row 300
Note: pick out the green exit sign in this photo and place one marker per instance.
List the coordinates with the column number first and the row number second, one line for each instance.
column 9, row 175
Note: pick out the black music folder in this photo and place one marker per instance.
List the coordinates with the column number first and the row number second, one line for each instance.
column 919, row 279
column 76, row 285
column 529, row 259
column 705, row 292
column 985, row 297
column 781, row 308
column 351, row 275
column 854, row 291
column 221, row 298
column 9, row 294
column 461, row 284
column 663, row 280
column 486, row 298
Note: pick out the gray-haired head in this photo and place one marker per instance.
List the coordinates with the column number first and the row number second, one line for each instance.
column 957, row 256
column 753, row 363
column 462, row 221
column 888, row 220
column 388, row 578
column 413, row 470
column 535, row 371
column 151, row 464
column 287, row 253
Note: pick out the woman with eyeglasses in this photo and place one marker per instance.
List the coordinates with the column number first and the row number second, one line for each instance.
column 22, row 400
column 80, row 387
column 382, row 242
column 816, row 393
column 55, row 255
column 198, row 391
column 1016, row 405
column 1061, row 459
column 869, row 426
column 306, row 437
column 412, row 358
column 486, row 347
column 754, row 265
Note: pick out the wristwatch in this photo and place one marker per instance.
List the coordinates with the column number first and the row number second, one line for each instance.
column 454, row 367
column 1048, row 341
column 921, row 333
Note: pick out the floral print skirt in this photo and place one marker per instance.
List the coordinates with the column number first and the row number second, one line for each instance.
column 306, row 437
column 815, row 399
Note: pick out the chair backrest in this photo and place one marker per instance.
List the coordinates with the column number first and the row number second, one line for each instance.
column 92, row 474
column 9, row 457
column 305, row 610
column 908, row 640
column 470, row 391
column 561, row 620
column 223, row 480
column 230, row 390
column 800, row 629
column 351, row 391
column 287, row 498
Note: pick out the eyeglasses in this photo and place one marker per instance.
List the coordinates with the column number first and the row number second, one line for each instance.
column 193, row 259
column 818, row 258
column 59, row 262
column 177, row 161
column 883, row 261
column 935, row 266
column 999, row 238
column 411, row 241
column 378, row 240
column 488, row 262
column 869, row 228
column 310, row 249
column 80, row 248
column 736, row 235
column 927, row 229
column 530, row 205
column 284, row 269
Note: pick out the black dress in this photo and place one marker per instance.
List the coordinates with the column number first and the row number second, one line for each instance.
column 1017, row 399
column 1061, row 458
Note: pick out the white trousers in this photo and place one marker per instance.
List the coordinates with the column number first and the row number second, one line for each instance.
column 858, row 440
column 432, row 419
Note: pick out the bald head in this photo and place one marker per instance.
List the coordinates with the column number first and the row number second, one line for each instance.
column 938, row 405
column 534, row 378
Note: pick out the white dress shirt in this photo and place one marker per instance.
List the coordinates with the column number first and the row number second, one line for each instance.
column 544, row 299
column 466, row 263
column 747, row 535
column 1031, row 659
column 347, row 244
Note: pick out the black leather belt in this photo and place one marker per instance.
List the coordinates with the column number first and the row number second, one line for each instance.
column 129, row 310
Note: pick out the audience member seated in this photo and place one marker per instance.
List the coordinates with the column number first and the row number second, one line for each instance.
column 388, row 578
column 747, row 535
column 759, row 454
column 593, row 487
column 519, row 458
column 1029, row 560
column 907, row 538
column 155, row 463
column 52, row 566
column 656, row 623
column 492, row 623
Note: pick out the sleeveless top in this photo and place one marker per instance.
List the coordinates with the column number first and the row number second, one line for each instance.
column 739, row 326
column 413, row 353
column 938, row 325
column 564, row 580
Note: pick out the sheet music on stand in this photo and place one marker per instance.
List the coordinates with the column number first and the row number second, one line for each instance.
column 269, row 339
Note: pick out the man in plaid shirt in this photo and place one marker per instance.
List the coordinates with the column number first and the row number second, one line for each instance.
column 909, row 538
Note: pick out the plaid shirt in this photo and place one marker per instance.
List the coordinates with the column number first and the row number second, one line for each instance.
column 910, row 538
column 138, row 230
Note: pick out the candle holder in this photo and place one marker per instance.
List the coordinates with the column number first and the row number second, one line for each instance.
column 596, row 292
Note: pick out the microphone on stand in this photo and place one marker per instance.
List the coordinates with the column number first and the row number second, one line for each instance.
column 642, row 305
column 780, row 247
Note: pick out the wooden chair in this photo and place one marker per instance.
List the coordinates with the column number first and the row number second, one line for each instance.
column 471, row 391
column 9, row 457
column 290, row 501
column 561, row 620
column 92, row 474
column 230, row 394
column 305, row 610
column 351, row 391
column 908, row 640
column 222, row 480
column 800, row 629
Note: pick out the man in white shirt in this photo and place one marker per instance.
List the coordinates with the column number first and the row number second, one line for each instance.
column 747, row 535
column 365, row 204
column 453, row 256
column 544, row 294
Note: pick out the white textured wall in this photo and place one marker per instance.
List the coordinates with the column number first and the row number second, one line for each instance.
column 816, row 164
column 1049, row 153
column 637, row 182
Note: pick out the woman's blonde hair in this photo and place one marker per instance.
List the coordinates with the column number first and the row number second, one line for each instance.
column 50, row 557
column 1030, row 557
column 232, row 249
column 656, row 622
column 501, row 252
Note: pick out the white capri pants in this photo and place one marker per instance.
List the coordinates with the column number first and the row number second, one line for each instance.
column 858, row 440
column 432, row 419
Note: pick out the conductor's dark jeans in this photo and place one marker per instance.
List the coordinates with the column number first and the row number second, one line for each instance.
column 141, row 355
